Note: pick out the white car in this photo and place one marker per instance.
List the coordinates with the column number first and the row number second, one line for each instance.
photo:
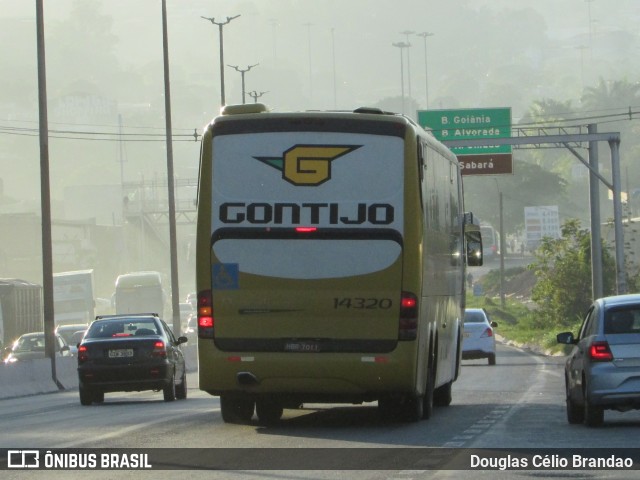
column 478, row 340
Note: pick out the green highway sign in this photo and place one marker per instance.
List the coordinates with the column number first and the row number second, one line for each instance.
column 472, row 123
column 462, row 124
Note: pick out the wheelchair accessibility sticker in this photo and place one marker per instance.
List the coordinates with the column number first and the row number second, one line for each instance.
column 225, row 276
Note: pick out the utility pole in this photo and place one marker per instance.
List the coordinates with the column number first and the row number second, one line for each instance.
column 242, row 72
column 45, row 199
column 594, row 205
column 220, row 25
column 175, row 288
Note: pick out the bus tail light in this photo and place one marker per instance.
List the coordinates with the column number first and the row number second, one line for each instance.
column 408, row 326
column 205, row 314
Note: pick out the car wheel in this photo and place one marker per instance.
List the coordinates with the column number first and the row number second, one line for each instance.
column 442, row 395
column 169, row 390
column 236, row 409
column 181, row 390
column 86, row 395
column 98, row 397
column 593, row 415
column 269, row 411
column 575, row 412
column 492, row 359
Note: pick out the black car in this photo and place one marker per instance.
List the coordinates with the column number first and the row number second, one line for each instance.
column 30, row 346
column 132, row 352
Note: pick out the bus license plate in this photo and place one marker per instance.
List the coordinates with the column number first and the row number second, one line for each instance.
column 121, row 353
column 303, row 347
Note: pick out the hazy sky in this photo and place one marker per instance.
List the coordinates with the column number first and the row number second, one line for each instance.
column 312, row 54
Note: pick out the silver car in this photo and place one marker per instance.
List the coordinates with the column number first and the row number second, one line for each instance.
column 602, row 371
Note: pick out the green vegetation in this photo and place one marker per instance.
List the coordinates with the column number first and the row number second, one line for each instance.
column 561, row 293
column 520, row 324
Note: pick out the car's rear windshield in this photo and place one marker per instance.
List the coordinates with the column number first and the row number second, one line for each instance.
column 622, row 321
column 474, row 317
column 122, row 328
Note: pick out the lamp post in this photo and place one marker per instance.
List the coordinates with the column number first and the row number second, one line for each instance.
column 401, row 46
column 173, row 243
column 309, row 25
column 424, row 36
column 256, row 95
column 220, row 25
column 242, row 72
column 406, row 33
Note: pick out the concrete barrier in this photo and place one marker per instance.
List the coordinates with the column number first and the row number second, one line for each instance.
column 34, row 377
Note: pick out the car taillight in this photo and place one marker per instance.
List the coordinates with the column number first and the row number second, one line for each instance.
column 83, row 354
column 205, row 314
column 600, row 352
column 159, row 349
column 408, row 325
column 487, row 333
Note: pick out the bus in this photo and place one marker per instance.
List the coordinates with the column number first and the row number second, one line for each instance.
column 140, row 292
column 330, row 263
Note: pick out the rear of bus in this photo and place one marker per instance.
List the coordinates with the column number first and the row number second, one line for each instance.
column 302, row 269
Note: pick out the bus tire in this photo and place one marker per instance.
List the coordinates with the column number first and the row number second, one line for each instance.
column 428, row 399
column 414, row 408
column 236, row 409
column 388, row 408
column 269, row 411
column 442, row 395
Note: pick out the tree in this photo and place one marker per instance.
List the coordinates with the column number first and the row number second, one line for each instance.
column 563, row 269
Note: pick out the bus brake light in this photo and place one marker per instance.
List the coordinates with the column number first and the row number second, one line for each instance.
column 408, row 322
column 205, row 314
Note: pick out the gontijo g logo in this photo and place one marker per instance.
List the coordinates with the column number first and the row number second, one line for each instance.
column 308, row 165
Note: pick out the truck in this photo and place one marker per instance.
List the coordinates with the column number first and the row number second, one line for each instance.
column 73, row 301
column 21, row 309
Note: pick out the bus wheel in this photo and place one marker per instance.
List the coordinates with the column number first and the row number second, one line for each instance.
column 427, row 400
column 236, row 409
column 442, row 395
column 414, row 408
column 269, row 411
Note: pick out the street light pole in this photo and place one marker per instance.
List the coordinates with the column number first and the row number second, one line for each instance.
column 424, row 36
column 407, row 33
column 309, row 25
column 173, row 243
column 256, row 95
column 220, row 25
column 45, row 198
column 242, row 72
column 401, row 46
